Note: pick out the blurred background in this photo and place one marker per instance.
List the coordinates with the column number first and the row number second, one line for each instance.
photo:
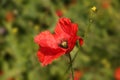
column 21, row 20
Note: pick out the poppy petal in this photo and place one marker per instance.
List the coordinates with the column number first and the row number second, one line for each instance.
column 66, row 26
column 117, row 73
column 74, row 28
column 47, row 55
column 46, row 39
column 62, row 25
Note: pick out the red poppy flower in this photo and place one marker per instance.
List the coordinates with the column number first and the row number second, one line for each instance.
column 9, row 16
column 52, row 46
column 11, row 79
column 117, row 74
column 1, row 72
column 59, row 13
column 105, row 4
column 77, row 75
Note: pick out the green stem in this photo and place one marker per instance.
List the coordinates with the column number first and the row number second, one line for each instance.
column 72, row 61
column 72, row 71
column 91, row 18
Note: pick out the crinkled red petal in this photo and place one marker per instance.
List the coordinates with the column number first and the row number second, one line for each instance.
column 47, row 55
column 46, row 39
column 66, row 26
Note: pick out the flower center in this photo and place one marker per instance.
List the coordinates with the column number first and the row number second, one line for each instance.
column 64, row 44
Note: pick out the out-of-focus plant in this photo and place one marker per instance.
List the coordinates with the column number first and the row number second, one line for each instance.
column 21, row 20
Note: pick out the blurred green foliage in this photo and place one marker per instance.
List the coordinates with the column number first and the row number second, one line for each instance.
column 21, row 20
